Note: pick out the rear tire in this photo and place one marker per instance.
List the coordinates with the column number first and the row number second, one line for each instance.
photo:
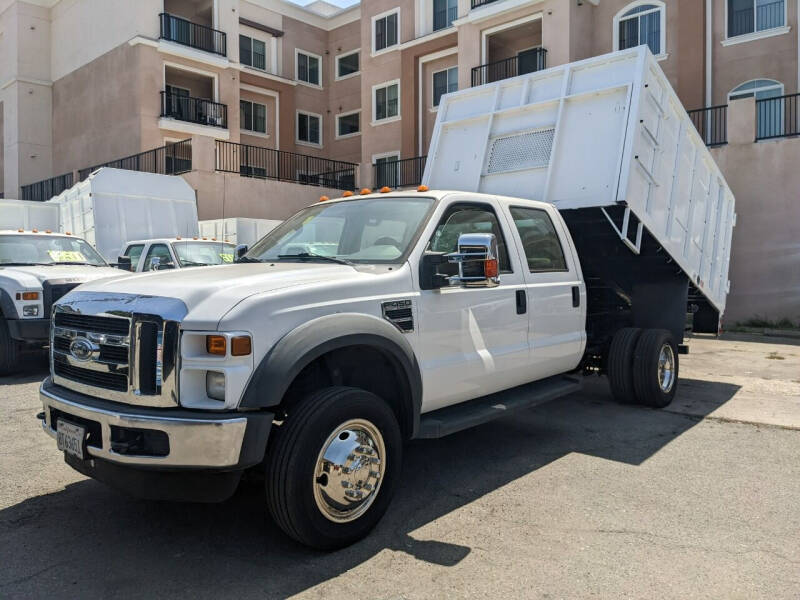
column 620, row 364
column 333, row 466
column 9, row 351
column 655, row 368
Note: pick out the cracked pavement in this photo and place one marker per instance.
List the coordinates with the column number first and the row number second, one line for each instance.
column 577, row 498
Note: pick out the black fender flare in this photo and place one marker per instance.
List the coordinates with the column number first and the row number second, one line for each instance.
column 307, row 342
column 7, row 308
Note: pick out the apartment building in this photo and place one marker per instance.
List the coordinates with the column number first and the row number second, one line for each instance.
column 263, row 105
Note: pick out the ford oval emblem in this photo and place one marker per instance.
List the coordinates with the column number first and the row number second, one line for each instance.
column 81, row 349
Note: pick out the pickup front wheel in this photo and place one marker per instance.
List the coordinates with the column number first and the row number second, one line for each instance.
column 333, row 466
column 9, row 350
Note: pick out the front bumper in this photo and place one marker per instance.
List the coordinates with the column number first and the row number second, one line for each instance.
column 197, row 440
column 33, row 331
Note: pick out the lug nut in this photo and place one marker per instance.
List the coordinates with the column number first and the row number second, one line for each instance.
column 375, row 460
column 375, row 474
column 355, row 494
column 346, row 484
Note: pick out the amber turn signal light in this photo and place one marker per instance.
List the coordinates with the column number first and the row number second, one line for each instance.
column 28, row 296
column 241, row 345
column 491, row 269
column 215, row 344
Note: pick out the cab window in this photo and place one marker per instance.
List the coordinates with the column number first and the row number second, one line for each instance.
column 161, row 252
column 539, row 240
column 468, row 218
column 135, row 254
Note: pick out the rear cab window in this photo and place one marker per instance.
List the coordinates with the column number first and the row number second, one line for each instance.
column 540, row 242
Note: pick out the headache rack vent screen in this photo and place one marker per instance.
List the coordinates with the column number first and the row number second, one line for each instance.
column 530, row 150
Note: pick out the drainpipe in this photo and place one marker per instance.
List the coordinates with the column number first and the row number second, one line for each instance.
column 709, row 50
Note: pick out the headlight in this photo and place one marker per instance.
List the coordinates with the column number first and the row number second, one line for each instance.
column 215, row 385
column 31, row 310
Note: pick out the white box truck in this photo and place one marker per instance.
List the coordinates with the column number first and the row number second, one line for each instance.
column 28, row 215
column 369, row 320
column 237, row 230
column 113, row 206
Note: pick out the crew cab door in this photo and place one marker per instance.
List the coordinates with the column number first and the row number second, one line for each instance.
column 472, row 341
column 555, row 289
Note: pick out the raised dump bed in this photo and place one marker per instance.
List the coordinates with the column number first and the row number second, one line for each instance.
column 608, row 142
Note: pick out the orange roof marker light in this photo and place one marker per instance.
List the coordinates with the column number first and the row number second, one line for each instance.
column 422, row 188
column 178, row 237
column 48, row 231
column 385, row 189
column 67, row 233
column 35, row 230
column 20, row 231
column 323, row 198
column 366, row 191
column 347, row 194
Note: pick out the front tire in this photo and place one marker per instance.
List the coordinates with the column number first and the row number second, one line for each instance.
column 333, row 466
column 655, row 368
column 9, row 351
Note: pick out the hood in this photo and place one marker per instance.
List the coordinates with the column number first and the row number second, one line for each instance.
column 33, row 276
column 210, row 292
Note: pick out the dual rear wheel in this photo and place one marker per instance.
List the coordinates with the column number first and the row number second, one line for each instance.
column 643, row 367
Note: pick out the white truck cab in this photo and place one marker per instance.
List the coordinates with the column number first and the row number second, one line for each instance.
column 36, row 269
column 176, row 253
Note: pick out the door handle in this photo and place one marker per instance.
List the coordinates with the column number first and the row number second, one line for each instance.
column 576, row 296
column 522, row 302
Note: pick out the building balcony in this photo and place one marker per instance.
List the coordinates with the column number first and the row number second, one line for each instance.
column 399, row 173
column 184, row 32
column 478, row 3
column 193, row 110
column 527, row 61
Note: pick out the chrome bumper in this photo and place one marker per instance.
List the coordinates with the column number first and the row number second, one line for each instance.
column 208, row 443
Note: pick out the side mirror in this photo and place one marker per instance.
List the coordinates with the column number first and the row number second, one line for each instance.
column 429, row 276
column 155, row 263
column 240, row 251
column 124, row 263
column 477, row 259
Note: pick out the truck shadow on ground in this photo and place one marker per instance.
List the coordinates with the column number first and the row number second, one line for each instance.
column 91, row 541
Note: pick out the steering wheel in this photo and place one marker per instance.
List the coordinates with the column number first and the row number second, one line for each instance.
column 387, row 241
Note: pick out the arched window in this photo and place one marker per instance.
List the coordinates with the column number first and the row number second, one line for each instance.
column 640, row 23
column 770, row 112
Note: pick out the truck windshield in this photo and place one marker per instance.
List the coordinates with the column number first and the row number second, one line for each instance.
column 47, row 250
column 200, row 254
column 369, row 230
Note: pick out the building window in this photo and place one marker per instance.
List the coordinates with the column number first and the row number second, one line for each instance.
column 750, row 16
column 252, row 116
column 444, row 82
column 386, row 101
column 769, row 115
column 309, row 128
column 348, row 124
column 642, row 23
column 309, row 68
column 347, row 64
column 252, row 52
column 444, row 13
column 385, row 29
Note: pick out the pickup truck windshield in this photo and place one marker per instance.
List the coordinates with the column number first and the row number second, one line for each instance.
column 198, row 254
column 47, row 250
column 369, row 230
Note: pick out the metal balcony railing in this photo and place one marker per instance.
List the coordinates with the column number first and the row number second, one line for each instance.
column 399, row 173
column 712, row 124
column 478, row 3
column 777, row 117
column 266, row 163
column 46, row 189
column 181, row 31
column 171, row 159
column 194, row 110
column 526, row 62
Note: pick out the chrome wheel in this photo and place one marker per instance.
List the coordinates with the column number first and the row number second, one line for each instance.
column 666, row 368
column 349, row 470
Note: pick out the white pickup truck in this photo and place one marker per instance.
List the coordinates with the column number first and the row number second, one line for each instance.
column 369, row 320
column 36, row 269
column 161, row 254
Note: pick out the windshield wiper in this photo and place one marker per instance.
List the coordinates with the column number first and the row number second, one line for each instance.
column 335, row 259
column 247, row 259
column 191, row 263
column 70, row 262
column 25, row 264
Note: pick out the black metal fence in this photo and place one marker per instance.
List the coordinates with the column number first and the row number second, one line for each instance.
column 526, row 62
column 171, row 159
column 479, row 3
column 777, row 117
column 176, row 29
column 194, row 110
column 46, row 189
column 266, row 163
column 399, row 173
column 712, row 124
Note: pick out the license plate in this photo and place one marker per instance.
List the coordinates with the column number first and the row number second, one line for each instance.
column 70, row 438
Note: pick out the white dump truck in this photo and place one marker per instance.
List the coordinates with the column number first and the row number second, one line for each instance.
column 366, row 321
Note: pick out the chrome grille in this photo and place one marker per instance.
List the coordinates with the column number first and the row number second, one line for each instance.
column 117, row 347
